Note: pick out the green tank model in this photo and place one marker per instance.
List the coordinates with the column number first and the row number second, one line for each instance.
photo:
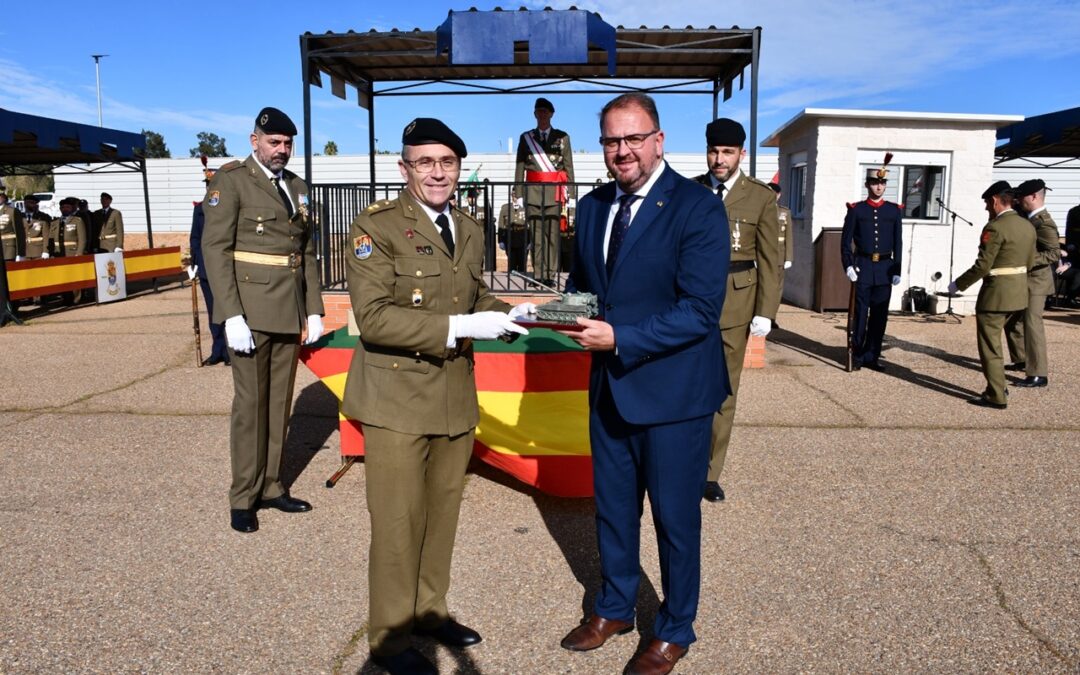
column 569, row 307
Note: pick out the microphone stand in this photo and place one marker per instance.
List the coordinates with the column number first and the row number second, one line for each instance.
column 953, row 215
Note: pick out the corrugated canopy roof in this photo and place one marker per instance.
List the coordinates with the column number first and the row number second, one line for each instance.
column 1055, row 134
column 29, row 139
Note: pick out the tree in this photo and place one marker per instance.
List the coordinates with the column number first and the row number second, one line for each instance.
column 155, row 145
column 330, row 148
column 38, row 178
column 210, row 145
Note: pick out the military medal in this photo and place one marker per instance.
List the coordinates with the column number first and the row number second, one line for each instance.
column 417, row 297
column 735, row 237
column 303, row 205
column 259, row 229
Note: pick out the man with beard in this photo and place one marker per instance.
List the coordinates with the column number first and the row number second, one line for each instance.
column 260, row 260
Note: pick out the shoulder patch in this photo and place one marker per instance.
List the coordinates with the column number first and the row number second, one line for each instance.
column 987, row 233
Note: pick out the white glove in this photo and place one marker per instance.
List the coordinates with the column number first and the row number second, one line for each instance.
column 485, row 326
column 192, row 270
column 19, row 258
column 952, row 287
column 895, row 280
column 760, row 326
column 44, row 255
column 787, row 264
column 502, row 245
column 238, row 335
column 852, row 274
column 524, row 309
column 118, row 250
column 314, row 329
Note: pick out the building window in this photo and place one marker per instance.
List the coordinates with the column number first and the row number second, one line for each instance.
column 796, row 196
column 916, row 186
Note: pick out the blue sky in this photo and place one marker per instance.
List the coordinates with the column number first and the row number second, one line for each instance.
column 179, row 68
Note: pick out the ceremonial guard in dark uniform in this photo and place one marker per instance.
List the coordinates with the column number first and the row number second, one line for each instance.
column 1027, row 338
column 219, row 352
column 12, row 230
column 753, row 280
column 259, row 257
column 419, row 297
column 38, row 226
column 544, row 156
column 871, row 248
column 109, row 224
column 1006, row 253
column 514, row 234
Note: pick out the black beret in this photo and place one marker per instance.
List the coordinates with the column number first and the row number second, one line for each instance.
column 997, row 188
column 273, row 121
column 543, row 103
column 1030, row 187
column 428, row 130
column 725, row 131
column 106, row 195
column 775, row 187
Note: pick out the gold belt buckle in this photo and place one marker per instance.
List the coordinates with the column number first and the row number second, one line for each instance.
column 875, row 257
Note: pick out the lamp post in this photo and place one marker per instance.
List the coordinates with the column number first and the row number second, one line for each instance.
column 97, row 71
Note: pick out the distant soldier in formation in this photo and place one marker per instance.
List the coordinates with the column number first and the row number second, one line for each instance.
column 544, row 156
column 219, row 351
column 68, row 235
column 1006, row 253
column 870, row 248
column 513, row 233
column 82, row 210
column 109, row 225
column 753, row 280
column 38, row 226
column 787, row 237
column 12, row 230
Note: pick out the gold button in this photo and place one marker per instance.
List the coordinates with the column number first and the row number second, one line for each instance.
column 419, row 273
column 455, row 268
column 455, row 299
column 259, row 218
column 245, row 277
column 395, row 365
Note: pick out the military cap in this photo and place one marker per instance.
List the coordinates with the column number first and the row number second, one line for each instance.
column 544, row 103
column 997, row 188
column 70, row 201
column 106, row 195
column 876, row 175
column 725, row 131
column 775, row 187
column 273, row 121
column 1030, row 187
column 428, row 130
column 31, row 198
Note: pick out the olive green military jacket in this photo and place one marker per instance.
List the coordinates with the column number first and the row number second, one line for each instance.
column 754, row 224
column 245, row 214
column 557, row 148
column 1007, row 244
column 1047, row 253
column 37, row 234
column 74, row 234
column 12, row 232
column 112, row 229
column 787, row 237
column 404, row 286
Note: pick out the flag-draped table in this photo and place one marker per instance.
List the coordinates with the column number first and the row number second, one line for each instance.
column 534, row 409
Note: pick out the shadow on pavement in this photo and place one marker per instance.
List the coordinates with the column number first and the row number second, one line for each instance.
column 314, row 418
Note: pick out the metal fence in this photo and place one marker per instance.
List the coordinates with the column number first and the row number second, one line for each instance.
column 534, row 238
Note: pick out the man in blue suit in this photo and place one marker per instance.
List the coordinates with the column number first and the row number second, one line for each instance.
column 653, row 246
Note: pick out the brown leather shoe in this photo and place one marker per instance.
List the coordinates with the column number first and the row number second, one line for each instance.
column 594, row 632
column 658, row 659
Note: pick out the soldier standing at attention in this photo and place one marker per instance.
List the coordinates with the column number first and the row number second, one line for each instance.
column 1006, row 253
column 1026, row 339
column 420, row 300
column 787, row 238
column 109, row 224
column 544, row 156
column 513, row 233
column 753, row 280
column 12, row 230
column 37, row 229
column 873, row 226
column 260, row 260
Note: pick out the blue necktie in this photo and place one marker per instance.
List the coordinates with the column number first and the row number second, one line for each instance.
column 618, row 230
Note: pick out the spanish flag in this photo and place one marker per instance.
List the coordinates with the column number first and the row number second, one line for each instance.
column 534, row 408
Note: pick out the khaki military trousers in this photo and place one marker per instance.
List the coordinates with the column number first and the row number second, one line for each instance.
column 414, row 486
column 988, row 327
column 735, row 339
column 544, row 227
column 262, row 399
column 1026, row 337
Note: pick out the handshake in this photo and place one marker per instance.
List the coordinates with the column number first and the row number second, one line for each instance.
column 490, row 325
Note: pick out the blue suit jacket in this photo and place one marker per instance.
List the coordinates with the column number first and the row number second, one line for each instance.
column 663, row 299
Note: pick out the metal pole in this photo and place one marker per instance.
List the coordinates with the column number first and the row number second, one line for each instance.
column 371, row 136
column 755, row 56
column 97, row 72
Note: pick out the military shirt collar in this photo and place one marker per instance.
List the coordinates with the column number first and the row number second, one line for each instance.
column 433, row 214
column 269, row 174
column 728, row 184
column 1036, row 212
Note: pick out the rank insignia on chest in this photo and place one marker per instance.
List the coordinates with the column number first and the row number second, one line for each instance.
column 417, row 297
column 214, row 198
column 425, row 250
column 362, row 247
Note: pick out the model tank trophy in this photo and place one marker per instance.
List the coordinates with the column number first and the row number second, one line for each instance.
column 562, row 314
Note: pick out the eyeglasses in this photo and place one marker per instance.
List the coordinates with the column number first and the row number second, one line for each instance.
column 633, row 141
column 427, row 164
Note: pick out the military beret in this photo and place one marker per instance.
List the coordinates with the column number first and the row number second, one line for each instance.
column 273, row 121
column 543, row 103
column 106, row 195
column 1030, row 187
column 428, row 130
column 775, row 187
column 726, row 132
column 997, row 188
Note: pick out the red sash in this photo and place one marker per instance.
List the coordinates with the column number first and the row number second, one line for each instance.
column 558, row 177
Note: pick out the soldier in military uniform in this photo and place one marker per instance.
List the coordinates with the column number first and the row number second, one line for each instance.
column 870, row 249
column 544, row 156
column 260, row 261
column 68, row 238
column 38, row 225
column 787, row 237
column 420, row 300
column 1006, row 253
column 109, row 224
column 513, row 233
column 753, row 292
column 12, row 230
